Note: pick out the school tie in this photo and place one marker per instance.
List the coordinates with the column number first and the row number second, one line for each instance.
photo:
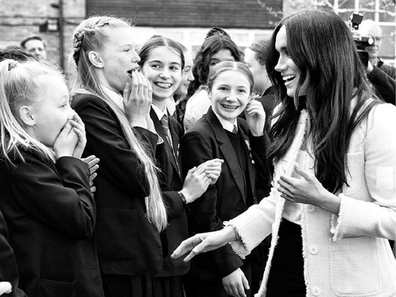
column 169, row 148
column 235, row 130
column 165, row 126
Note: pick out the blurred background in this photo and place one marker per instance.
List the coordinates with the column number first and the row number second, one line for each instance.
column 184, row 20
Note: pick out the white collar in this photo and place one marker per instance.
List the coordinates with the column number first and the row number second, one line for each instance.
column 115, row 97
column 159, row 113
column 226, row 124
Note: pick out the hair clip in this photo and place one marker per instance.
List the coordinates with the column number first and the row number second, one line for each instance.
column 12, row 65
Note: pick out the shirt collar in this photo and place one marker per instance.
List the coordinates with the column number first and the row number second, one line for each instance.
column 226, row 124
column 159, row 113
column 115, row 97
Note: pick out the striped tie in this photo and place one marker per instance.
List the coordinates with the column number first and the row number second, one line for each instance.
column 165, row 125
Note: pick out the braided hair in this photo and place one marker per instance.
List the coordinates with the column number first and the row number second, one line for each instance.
column 91, row 35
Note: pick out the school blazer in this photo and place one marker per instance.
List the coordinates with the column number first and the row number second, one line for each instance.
column 8, row 267
column 128, row 244
column 171, row 182
column 346, row 254
column 226, row 199
column 50, row 214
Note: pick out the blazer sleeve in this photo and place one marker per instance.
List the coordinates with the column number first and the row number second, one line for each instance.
column 59, row 197
column 197, row 148
column 105, row 138
column 8, row 267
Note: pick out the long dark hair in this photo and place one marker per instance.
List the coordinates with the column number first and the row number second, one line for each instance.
column 321, row 46
column 211, row 46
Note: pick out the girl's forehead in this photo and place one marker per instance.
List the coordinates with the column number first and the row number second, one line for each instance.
column 120, row 35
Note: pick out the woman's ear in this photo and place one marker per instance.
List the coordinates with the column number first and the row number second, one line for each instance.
column 26, row 115
column 95, row 59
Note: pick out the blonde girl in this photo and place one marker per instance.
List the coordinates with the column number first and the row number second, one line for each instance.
column 113, row 98
column 45, row 189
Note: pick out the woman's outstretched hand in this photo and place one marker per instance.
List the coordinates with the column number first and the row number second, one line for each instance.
column 204, row 242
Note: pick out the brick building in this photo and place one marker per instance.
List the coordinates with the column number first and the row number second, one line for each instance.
column 184, row 20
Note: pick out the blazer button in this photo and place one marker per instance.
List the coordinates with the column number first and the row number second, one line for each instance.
column 311, row 208
column 316, row 291
column 313, row 249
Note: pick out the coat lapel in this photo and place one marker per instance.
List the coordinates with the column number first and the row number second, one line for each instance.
column 227, row 150
column 161, row 132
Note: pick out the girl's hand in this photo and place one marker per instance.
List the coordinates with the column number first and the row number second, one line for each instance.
column 92, row 162
column 199, row 178
column 5, row 288
column 195, row 184
column 255, row 117
column 307, row 190
column 79, row 129
column 137, row 99
column 213, row 169
column 66, row 141
column 235, row 283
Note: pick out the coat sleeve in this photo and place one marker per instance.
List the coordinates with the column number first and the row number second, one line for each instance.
column 368, row 207
column 118, row 162
column 59, row 197
column 197, row 148
column 8, row 267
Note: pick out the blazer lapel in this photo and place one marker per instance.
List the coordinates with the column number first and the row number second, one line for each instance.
column 227, row 150
column 161, row 132
column 250, row 162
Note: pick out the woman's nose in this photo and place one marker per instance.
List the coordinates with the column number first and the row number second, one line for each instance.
column 280, row 65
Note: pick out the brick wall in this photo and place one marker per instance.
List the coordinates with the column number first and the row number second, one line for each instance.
column 20, row 18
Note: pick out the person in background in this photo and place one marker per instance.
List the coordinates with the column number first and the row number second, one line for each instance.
column 216, row 31
column 9, row 276
column 45, row 194
column 242, row 145
column 382, row 76
column 16, row 53
column 263, row 89
column 35, row 45
column 370, row 28
column 113, row 98
column 214, row 49
column 162, row 61
column 177, row 105
column 332, row 208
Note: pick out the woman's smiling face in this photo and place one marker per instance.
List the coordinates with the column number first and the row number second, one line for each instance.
column 288, row 69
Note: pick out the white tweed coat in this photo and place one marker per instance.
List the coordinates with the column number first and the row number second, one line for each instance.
column 346, row 254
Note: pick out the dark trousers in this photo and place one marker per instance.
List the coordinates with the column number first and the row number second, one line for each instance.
column 286, row 278
column 129, row 286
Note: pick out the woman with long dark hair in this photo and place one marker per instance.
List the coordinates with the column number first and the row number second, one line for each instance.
column 333, row 206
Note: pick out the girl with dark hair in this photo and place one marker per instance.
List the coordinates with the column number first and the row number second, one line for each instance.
column 162, row 62
column 214, row 49
column 242, row 145
column 333, row 207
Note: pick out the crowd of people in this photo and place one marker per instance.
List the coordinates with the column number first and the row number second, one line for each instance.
column 153, row 172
